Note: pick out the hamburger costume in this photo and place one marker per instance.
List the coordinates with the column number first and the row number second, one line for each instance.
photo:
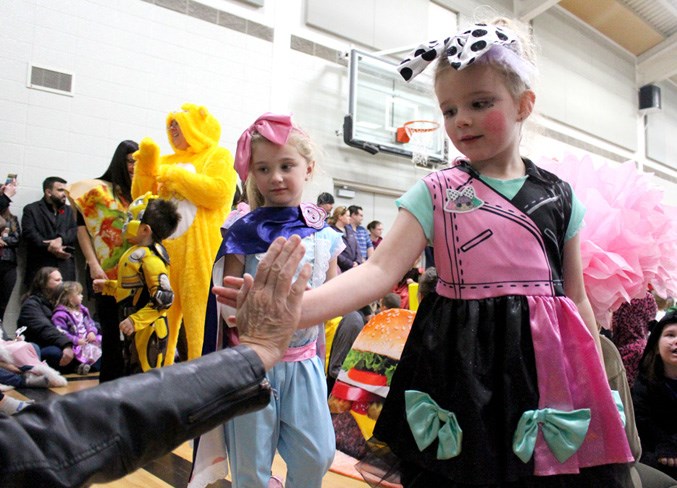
column 499, row 358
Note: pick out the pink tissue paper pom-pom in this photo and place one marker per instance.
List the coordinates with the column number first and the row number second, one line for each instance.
column 629, row 235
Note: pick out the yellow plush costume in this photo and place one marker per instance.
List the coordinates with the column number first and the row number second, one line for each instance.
column 201, row 180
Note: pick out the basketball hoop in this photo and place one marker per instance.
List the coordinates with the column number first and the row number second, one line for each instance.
column 420, row 134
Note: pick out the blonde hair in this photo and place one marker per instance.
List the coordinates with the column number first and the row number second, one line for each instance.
column 338, row 212
column 68, row 289
column 303, row 144
column 525, row 50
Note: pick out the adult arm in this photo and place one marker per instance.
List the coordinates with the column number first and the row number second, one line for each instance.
column 87, row 248
column 39, row 326
column 103, row 433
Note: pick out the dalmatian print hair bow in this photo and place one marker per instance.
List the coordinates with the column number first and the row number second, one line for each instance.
column 461, row 50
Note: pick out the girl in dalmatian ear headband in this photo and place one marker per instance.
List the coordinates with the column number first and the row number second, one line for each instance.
column 500, row 382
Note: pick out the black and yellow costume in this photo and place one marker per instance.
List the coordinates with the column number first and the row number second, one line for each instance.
column 143, row 294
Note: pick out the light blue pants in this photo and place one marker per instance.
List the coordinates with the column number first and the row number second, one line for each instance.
column 296, row 422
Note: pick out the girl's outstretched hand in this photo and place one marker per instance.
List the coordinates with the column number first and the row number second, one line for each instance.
column 227, row 294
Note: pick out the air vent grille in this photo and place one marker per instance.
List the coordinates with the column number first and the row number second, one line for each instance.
column 51, row 80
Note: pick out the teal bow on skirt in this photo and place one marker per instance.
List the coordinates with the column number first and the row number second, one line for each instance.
column 428, row 421
column 563, row 432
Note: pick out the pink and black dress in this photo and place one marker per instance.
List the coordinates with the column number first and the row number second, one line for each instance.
column 500, row 383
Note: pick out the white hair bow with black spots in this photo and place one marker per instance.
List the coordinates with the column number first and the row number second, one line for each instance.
column 461, row 50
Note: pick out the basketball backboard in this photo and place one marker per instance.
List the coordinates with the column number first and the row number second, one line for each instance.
column 381, row 101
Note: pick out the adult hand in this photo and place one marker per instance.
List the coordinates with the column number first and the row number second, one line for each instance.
column 96, row 272
column 269, row 306
column 66, row 356
column 9, row 189
column 54, row 245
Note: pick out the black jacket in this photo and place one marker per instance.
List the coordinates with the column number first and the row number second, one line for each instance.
column 106, row 432
column 39, row 224
column 656, row 418
column 36, row 316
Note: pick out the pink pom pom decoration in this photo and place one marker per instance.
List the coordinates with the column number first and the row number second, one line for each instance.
column 629, row 236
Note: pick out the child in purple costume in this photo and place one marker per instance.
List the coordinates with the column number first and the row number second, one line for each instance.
column 72, row 318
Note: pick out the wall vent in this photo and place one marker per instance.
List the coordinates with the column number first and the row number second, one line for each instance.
column 50, row 80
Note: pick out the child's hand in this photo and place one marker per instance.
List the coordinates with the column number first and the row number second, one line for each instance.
column 82, row 342
column 227, row 294
column 91, row 337
column 127, row 327
column 98, row 285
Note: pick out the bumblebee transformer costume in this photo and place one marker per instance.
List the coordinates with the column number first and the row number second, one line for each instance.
column 144, row 295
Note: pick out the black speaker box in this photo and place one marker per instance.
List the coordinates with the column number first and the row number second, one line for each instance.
column 650, row 98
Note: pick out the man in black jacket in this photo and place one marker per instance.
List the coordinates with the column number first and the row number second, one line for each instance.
column 103, row 433
column 50, row 231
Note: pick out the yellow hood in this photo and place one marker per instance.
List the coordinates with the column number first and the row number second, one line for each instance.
column 199, row 127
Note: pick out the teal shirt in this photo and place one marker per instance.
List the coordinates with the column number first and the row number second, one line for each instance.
column 417, row 200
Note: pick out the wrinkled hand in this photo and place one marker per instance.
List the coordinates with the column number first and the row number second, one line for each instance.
column 269, row 306
column 127, row 327
column 66, row 356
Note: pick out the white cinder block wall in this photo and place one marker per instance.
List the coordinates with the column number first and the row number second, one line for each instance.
column 133, row 61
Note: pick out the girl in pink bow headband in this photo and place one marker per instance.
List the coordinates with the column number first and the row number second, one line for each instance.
column 275, row 159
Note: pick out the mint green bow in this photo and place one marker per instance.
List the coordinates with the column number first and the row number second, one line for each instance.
column 619, row 405
column 428, row 422
column 564, row 432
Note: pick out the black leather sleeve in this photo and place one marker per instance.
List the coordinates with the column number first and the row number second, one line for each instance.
column 105, row 432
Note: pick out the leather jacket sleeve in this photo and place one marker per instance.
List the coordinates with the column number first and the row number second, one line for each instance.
column 105, row 432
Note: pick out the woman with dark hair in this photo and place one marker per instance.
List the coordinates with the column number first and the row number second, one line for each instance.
column 36, row 315
column 654, row 396
column 102, row 209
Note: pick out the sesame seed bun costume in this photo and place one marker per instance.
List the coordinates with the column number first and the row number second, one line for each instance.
column 201, row 180
column 500, row 382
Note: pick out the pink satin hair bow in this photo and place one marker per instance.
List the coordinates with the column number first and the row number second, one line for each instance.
column 276, row 128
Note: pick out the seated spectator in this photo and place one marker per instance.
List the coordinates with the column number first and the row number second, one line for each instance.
column 24, row 359
column 36, row 316
column 340, row 222
column 375, row 229
column 326, row 202
column 73, row 319
column 654, row 396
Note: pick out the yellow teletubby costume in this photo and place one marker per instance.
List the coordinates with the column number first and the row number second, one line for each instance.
column 200, row 178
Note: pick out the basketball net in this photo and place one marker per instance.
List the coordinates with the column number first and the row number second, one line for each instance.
column 421, row 135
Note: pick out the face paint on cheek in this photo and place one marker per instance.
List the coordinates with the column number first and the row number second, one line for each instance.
column 495, row 121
